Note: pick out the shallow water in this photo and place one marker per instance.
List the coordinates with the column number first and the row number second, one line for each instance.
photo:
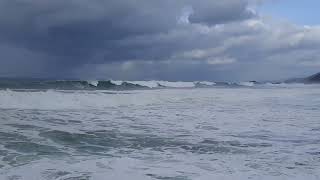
column 176, row 134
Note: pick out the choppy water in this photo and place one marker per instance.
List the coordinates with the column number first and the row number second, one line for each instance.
column 176, row 134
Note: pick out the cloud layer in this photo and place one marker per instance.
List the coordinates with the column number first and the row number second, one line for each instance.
column 151, row 39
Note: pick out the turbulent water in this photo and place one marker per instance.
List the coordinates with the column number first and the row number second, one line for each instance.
column 262, row 132
column 110, row 84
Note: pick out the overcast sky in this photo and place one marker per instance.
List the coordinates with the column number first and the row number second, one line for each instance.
column 220, row 40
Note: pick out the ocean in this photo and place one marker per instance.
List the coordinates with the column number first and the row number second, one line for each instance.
column 180, row 133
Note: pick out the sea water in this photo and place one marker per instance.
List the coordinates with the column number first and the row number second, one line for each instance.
column 267, row 132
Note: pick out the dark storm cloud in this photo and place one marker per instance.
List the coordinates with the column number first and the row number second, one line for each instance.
column 80, row 27
column 143, row 38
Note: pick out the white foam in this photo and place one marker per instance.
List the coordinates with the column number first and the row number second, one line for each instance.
column 52, row 99
column 281, row 117
column 249, row 84
column 117, row 82
column 93, row 83
column 150, row 84
column 105, row 169
column 206, row 83
column 178, row 84
column 155, row 84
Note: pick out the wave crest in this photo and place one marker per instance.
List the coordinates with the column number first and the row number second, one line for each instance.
column 115, row 85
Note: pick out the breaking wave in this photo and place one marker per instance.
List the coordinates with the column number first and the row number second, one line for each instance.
column 113, row 85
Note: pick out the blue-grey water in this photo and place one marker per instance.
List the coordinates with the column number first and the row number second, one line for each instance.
column 267, row 132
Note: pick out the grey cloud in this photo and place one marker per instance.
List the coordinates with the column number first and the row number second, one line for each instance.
column 214, row 12
column 245, row 50
column 83, row 26
column 144, row 39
